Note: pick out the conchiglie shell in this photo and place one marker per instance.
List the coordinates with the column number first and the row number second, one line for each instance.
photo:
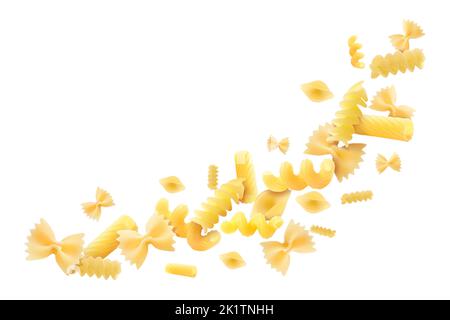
column 313, row 202
column 317, row 91
column 270, row 203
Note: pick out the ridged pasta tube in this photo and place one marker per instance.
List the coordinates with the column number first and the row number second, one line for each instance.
column 181, row 269
column 99, row 267
column 213, row 172
column 257, row 222
column 386, row 127
column 107, row 241
column 356, row 196
column 246, row 172
column 398, row 61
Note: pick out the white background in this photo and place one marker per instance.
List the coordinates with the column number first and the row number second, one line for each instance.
column 119, row 94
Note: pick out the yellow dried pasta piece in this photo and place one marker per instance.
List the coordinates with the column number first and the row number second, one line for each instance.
column 313, row 202
column 398, row 61
column 385, row 100
column 296, row 239
column 270, row 203
column 246, row 172
column 383, row 163
column 176, row 217
column 411, row 31
column 42, row 243
column 101, row 268
column 181, row 269
column 282, row 145
column 288, row 177
column 94, row 209
column 354, row 52
column 213, row 172
column 356, row 196
column 323, row 231
column 172, row 184
column 200, row 242
column 317, row 180
column 386, row 127
column 107, row 241
column 274, row 183
column 232, row 260
column 248, row 227
column 317, row 91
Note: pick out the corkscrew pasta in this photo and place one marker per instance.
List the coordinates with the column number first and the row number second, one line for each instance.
column 408, row 60
column 247, row 228
column 282, row 145
column 107, row 241
column 94, row 209
column 172, row 184
column 323, row 231
column 356, row 196
column 354, row 52
column 181, row 270
column 232, row 260
column 213, row 172
column 385, row 100
column 313, row 202
column 101, row 268
column 317, row 91
column 383, row 163
column 246, row 172
column 42, row 243
column 411, row 31
column 176, row 217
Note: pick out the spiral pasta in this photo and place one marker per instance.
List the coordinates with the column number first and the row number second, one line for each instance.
column 411, row 31
column 99, row 267
column 398, row 61
column 213, row 172
column 107, row 241
column 385, row 100
column 246, row 172
column 219, row 204
column 176, row 217
column 317, row 91
column 94, row 209
column 356, row 196
column 354, row 52
column 248, row 227
column 348, row 115
column 323, row 231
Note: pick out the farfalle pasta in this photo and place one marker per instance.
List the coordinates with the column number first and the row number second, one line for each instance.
column 392, row 63
column 382, row 163
column 134, row 246
column 42, row 243
column 317, row 91
column 313, row 202
column 232, row 260
column 266, row 228
column 282, row 145
column 411, row 30
column 326, row 232
column 246, row 172
column 271, row 204
column 181, row 269
column 99, row 267
column 172, row 184
column 355, row 54
column 385, row 100
column 296, row 239
column 94, row 209
column 107, row 241
column 213, row 172
column 176, row 217
column 356, row 196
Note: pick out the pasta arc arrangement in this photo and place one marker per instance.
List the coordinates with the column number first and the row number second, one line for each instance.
column 219, row 214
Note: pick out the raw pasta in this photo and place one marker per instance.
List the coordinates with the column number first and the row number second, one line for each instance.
column 411, row 31
column 323, row 231
column 385, row 100
column 232, row 260
column 181, row 270
column 107, row 241
column 386, row 127
column 398, row 61
column 42, row 243
column 317, row 180
column 270, row 203
column 172, row 184
column 296, row 239
column 383, row 163
column 213, row 172
column 273, row 144
column 219, row 204
column 356, row 196
column 135, row 246
column 200, row 242
column 313, row 202
column 257, row 222
column 317, row 91
column 99, row 267
column 176, row 217
column 354, row 52
column 246, row 172
column 94, row 209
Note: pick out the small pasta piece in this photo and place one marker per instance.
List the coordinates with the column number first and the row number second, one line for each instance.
column 107, row 241
column 313, row 202
column 273, row 183
column 181, row 270
column 398, row 61
column 282, row 145
column 246, row 172
column 356, row 197
column 94, row 209
column 323, row 231
column 172, row 184
column 232, row 260
column 292, row 181
column 248, row 227
column 99, row 267
column 385, row 100
column 317, row 91
column 213, row 172
column 383, row 163
column 176, row 217
column 317, row 180
column 354, row 52
column 271, row 204
column 200, row 242
column 411, row 31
